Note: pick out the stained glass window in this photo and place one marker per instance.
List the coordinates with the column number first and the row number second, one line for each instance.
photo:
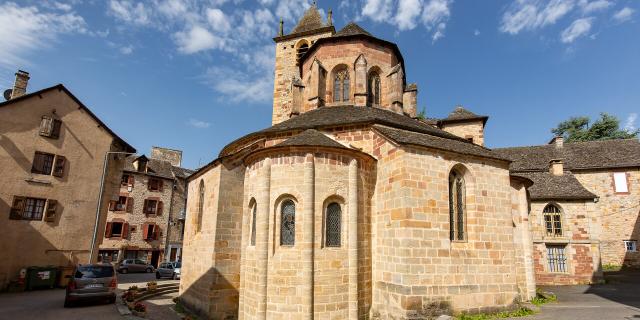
column 456, row 206
column 333, row 225
column 341, row 86
column 288, row 223
column 253, row 225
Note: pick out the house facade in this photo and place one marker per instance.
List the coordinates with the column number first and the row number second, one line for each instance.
column 584, row 206
column 52, row 153
column 145, row 214
column 348, row 207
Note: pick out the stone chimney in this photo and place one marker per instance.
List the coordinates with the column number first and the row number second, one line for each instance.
column 556, row 167
column 410, row 100
column 20, row 85
column 558, row 141
column 172, row 156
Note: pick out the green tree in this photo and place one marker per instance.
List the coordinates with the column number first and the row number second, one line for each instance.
column 605, row 128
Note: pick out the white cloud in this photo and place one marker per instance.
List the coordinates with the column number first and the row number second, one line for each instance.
column 408, row 11
column 378, row 10
column 532, row 15
column 588, row 7
column 25, row 29
column 237, row 86
column 129, row 12
column 218, row 20
column 196, row 39
column 436, row 12
column 578, row 28
column 630, row 123
column 623, row 15
column 476, row 32
column 126, row 50
column 198, row 124
column 291, row 10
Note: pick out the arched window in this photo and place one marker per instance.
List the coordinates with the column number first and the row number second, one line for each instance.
column 341, row 86
column 552, row 221
column 200, row 205
column 333, row 225
column 457, row 214
column 253, row 224
column 302, row 49
column 374, row 89
column 288, row 223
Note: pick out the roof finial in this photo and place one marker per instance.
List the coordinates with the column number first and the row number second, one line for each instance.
column 281, row 29
column 329, row 21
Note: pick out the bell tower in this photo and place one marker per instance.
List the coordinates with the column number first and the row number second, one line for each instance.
column 289, row 48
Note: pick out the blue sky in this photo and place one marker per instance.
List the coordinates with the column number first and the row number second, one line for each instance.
column 195, row 75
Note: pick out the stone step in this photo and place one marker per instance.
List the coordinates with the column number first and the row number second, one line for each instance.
column 156, row 293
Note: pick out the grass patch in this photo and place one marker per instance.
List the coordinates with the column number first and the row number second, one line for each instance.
column 522, row 312
column 611, row 267
column 542, row 298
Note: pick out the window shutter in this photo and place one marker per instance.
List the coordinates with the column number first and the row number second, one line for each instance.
column 112, row 205
column 145, row 208
column 58, row 168
column 55, row 130
column 159, row 208
column 145, row 231
column 125, row 230
column 38, row 163
column 46, row 126
column 129, row 204
column 107, row 231
column 160, row 185
column 50, row 214
column 156, row 230
column 17, row 208
column 150, row 184
column 131, row 180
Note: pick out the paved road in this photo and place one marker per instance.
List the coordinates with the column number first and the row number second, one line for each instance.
column 48, row 304
column 617, row 300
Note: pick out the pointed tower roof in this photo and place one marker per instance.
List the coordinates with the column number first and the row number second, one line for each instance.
column 311, row 20
column 352, row 29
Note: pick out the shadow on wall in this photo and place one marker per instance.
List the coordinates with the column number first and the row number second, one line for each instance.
column 622, row 286
column 212, row 296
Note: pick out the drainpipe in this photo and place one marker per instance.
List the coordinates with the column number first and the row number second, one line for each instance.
column 166, row 237
column 95, row 227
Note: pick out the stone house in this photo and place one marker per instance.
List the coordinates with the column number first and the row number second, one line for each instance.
column 348, row 207
column 52, row 152
column 584, row 206
column 145, row 218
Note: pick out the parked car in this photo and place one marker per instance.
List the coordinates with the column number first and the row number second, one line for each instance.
column 134, row 265
column 169, row 270
column 91, row 282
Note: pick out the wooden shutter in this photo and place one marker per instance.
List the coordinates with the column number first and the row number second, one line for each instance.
column 50, row 213
column 131, row 180
column 107, row 231
column 160, row 184
column 17, row 209
column 55, row 130
column 38, row 163
column 46, row 126
column 112, row 205
column 58, row 167
column 145, row 208
column 159, row 208
column 145, row 231
column 156, row 230
column 129, row 204
column 125, row 230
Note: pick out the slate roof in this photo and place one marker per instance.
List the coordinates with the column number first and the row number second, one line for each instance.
column 61, row 87
column 352, row 29
column 431, row 141
column 158, row 168
column 311, row 137
column 311, row 20
column 350, row 115
column 461, row 114
column 550, row 187
column 619, row 153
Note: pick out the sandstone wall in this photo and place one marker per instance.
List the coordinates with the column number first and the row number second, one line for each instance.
column 469, row 130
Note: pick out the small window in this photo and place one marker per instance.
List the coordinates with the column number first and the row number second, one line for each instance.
column 151, row 232
column 152, row 206
column 288, row 223
column 127, row 180
column 253, row 225
column 556, row 258
column 155, row 184
column 341, row 86
column 457, row 207
column 42, row 163
column 552, row 220
column 302, row 49
column 630, row 245
column 374, row 89
column 620, row 182
column 116, row 229
column 333, row 225
column 24, row 208
column 200, row 206
column 50, row 127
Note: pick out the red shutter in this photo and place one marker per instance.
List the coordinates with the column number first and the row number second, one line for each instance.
column 156, row 230
column 125, row 230
column 159, row 208
column 58, row 168
column 50, row 214
column 107, row 231
column 145, row 231
column 129, row 204
column 17, row 208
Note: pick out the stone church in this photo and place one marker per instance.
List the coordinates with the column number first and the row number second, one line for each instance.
column 351, row 207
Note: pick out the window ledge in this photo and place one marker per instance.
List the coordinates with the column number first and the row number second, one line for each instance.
column 39, row 181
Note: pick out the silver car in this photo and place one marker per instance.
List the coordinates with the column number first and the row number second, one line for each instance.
column 92, row 282
column 134, row 265
column 169, row 270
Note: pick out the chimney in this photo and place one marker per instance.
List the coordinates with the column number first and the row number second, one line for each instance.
column 556, row 167
column 558, row 141
column 165, row 154
column 20, row 86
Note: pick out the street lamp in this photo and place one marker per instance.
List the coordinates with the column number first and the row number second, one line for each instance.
column 104, row 173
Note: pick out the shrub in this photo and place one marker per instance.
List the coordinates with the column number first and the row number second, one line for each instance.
column 611, row 267
column 133, row 288
column 140, row 307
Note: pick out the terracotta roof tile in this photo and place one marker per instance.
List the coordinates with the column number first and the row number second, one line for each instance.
column 311, row 137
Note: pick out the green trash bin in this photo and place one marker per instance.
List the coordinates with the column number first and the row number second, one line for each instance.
column 41, row 277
